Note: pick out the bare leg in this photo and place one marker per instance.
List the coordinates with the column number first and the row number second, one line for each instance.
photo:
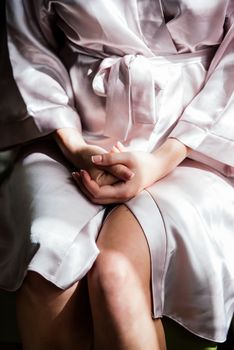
column 52, row 319
column 119, row 288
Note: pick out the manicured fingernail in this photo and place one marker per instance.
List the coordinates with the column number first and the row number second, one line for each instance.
column 82, row 172
column 75, row 174
column 96, row 159
column 129, row 176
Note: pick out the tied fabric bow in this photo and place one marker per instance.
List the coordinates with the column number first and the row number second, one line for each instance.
column 129, row 87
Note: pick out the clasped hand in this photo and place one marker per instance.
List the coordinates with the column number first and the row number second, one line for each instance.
column 79, row 154
column 144, row 170
column 142, row 173
column 119, row 175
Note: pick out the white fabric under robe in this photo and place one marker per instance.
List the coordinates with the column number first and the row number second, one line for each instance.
column 138, row 71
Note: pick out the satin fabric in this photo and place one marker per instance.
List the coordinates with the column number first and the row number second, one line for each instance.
column 189, row 231
column 119, row 37
column 138, row 71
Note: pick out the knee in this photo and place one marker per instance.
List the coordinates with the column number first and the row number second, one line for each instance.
column 110, row 274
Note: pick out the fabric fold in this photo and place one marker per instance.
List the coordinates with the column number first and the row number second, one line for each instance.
column 207, row 123
column 42, row 79
column 129, row 87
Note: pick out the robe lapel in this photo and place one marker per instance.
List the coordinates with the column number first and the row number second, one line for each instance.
column 154, row 28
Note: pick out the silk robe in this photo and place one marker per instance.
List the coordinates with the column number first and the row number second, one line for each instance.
column 139, row 72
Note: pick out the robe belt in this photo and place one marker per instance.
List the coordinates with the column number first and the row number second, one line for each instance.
column 130, row 85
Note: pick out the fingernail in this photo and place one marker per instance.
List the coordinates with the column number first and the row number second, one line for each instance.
column 96, row 159
column 75, row 173
column 131, row 176
column 82, row 172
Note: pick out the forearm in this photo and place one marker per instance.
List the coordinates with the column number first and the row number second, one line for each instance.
column 70, row 141
column 69, row 136
column 170, row 154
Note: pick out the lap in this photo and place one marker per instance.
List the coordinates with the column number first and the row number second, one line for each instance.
column 53, row 226
column 186, row 224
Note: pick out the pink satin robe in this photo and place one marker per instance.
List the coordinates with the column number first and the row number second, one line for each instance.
column 116, row 30
column 139, row 72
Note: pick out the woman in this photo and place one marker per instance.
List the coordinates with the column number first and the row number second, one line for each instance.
column 135, row 98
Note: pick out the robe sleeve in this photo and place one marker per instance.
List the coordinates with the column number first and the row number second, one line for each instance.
column 207, row 123
column 42, row 79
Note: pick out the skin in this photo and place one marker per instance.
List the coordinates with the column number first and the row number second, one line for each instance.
column 119, row 288
column 161, row 163
column 79, row 153
column 53, row 319
column 117, row 176
column 111, row 299
column 63, row 318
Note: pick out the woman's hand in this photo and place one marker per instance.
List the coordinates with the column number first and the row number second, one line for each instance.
column 147, row 167
column 79, row 153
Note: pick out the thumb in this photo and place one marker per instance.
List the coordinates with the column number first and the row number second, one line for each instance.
column 111, row 159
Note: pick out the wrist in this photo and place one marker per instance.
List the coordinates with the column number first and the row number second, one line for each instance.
column 69, row 138
column 170, row 154
column 173, row 149
column 71, row 143
column 177, row 148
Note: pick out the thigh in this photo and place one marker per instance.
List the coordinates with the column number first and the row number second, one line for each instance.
column 123, row 243
column 51, row 318
column 45, row 299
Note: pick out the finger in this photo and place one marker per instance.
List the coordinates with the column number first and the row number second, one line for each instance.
column 121, row 147
column 83, row 189
column 121, row 172
column 94, row 193
column 115, row 149
column 112, row 159
column 106, row 178
column 77, row 178
column 117, row 193
column 91, row 185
